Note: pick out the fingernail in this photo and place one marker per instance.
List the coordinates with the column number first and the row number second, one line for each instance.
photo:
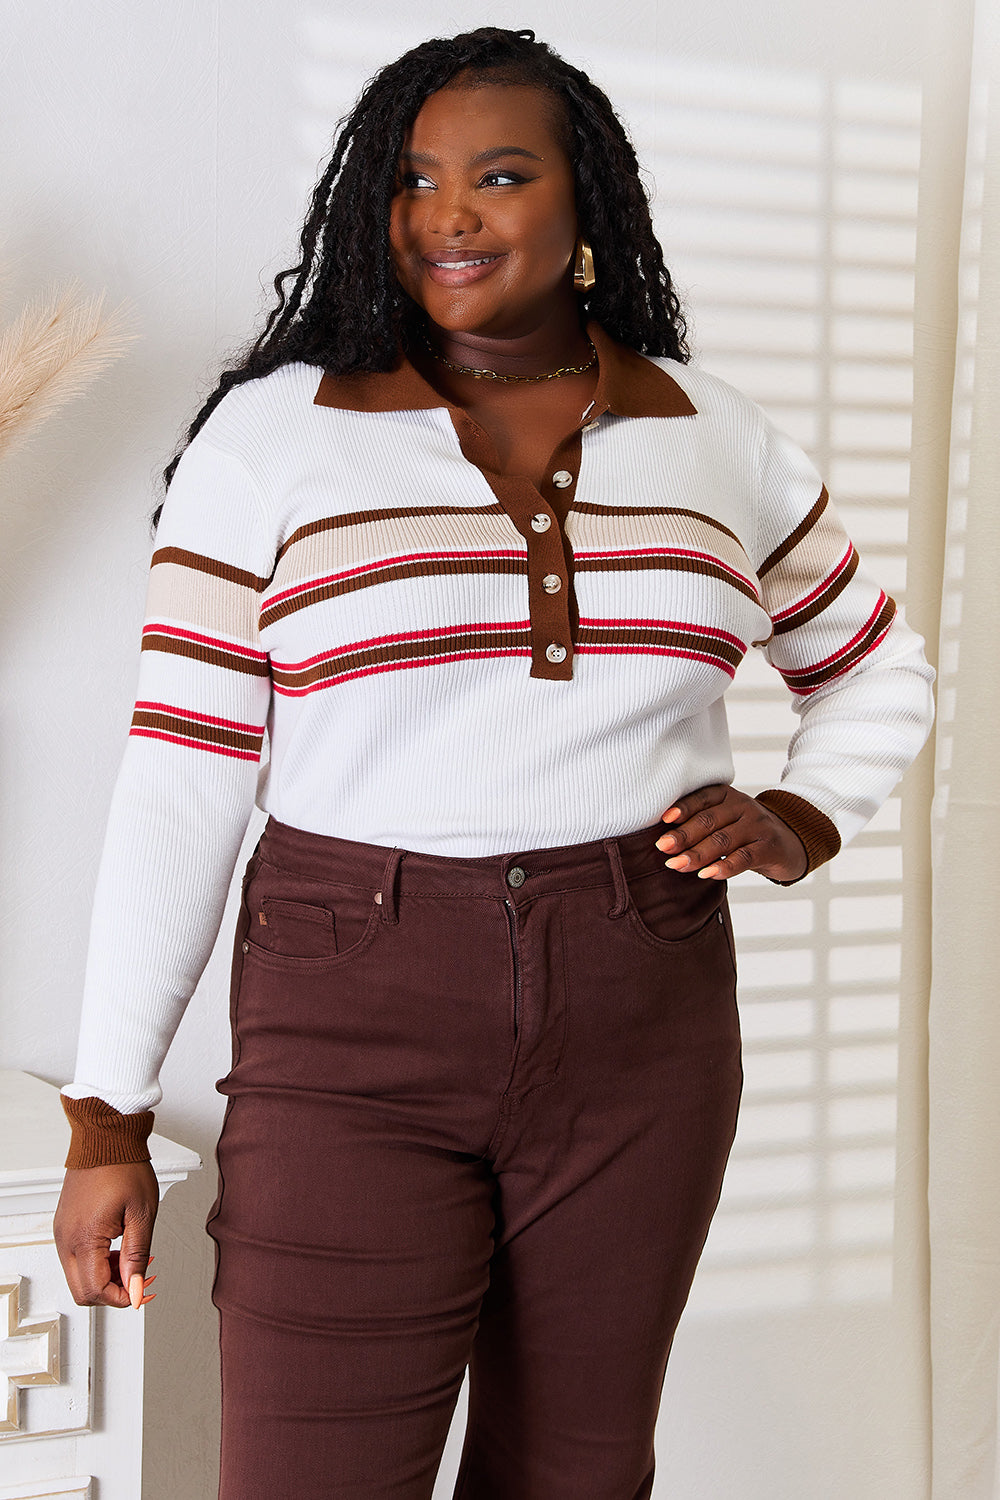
column 668, row 841
column 679, row 862
column 671, row 815
column 135, row 1289
column 148, row 1280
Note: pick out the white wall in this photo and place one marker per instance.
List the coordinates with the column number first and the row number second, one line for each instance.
column 164, row 152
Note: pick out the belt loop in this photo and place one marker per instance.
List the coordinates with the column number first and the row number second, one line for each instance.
column 618, row 876
column 388, row 895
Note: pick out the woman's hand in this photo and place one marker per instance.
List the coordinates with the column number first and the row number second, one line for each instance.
column 723, row 832
column 97, row 1204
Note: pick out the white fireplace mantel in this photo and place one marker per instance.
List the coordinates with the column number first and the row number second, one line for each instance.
column 70, row 1377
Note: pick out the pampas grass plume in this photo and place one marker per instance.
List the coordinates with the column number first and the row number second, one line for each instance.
column 51, row 353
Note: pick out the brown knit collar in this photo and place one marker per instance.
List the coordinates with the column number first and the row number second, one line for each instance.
column 628, row 384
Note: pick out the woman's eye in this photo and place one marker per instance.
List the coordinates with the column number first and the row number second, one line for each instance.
column 414, row 180
column 501, row 179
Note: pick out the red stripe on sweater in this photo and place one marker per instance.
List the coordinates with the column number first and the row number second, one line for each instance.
column 793, row 609
column 403, row 635
column 176, row 739
column 842, row 650
column 157, row 628
column 398, row 666
column 636, row 622
column 189, row 713
column 632, row 649
column 387, row 562
column 708, row 557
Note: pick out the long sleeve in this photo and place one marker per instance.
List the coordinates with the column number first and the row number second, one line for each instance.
column 182, row 800
column 333, row 568
column 857, row 673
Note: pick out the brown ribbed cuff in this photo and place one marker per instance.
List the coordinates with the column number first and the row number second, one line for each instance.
column 817, row 835
column 103, row 1136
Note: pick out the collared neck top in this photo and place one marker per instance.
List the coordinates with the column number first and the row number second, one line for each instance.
column 628, row 385
column 439, row 657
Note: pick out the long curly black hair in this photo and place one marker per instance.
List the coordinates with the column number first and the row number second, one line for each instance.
column 344, row 309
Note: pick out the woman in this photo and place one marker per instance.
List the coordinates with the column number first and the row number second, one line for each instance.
column 482, row 570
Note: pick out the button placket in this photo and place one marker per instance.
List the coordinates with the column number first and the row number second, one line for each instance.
column 551, row 637
column 550, row 566
column 537, row 511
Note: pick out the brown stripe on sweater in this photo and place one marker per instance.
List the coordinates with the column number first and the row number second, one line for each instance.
column 425, row 568
column 370, row 517
column 194, row 729
column 803, row 680
column 626, row 563
column 640, row 635
column 430, row 567
column 490, row 643
column 794, row 538
column 639, row 512
column 822, row 601
column 210, row 565
column 440, row 648
column 175, row 645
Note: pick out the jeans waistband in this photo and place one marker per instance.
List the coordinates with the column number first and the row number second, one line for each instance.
column 517, row 877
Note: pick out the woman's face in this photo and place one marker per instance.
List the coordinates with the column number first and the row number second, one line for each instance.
column 483, row 226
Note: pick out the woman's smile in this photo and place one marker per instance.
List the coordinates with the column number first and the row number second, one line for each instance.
column 483, row 225
column 460, row 267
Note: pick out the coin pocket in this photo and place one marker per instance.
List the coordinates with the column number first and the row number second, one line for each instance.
column 294, row 929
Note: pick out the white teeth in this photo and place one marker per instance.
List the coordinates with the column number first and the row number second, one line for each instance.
column 462, row 265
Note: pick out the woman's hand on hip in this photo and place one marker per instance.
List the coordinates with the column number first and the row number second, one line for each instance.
column 97, row 1204
column 717, row 832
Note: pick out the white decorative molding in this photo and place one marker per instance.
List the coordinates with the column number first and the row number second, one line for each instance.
column 29, row 1354
column 78, row 1488
column 56, row 1358
column 46, row 1344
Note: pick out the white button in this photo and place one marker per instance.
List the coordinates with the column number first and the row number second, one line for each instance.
column 555, row 653
column 552, row 583
column 561, row 478
column 541, row 522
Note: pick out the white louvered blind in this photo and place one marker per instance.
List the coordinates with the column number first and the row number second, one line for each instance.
column 786, row 204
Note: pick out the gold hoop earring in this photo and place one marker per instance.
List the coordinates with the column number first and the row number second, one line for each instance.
column 583, row 271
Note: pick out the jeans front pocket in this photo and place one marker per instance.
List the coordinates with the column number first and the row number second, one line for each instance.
column 296, row 921
column 667, row 908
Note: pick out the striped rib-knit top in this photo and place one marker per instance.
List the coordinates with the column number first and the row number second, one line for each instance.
column 449, row 660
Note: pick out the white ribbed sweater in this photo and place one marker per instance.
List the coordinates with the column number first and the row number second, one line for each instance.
column 347, row 581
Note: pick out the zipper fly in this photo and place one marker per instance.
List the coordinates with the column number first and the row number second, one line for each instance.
column 512, row 926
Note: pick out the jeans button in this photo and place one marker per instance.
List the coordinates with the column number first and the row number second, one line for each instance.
column 516, row 876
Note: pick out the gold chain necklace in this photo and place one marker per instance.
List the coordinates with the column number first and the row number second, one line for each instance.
column 513, row 379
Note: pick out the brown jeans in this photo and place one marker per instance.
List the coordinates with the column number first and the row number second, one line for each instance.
column 478, row 1116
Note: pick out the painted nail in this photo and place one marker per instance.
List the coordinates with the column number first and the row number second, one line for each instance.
column 135, row 1289
column 671, row 815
